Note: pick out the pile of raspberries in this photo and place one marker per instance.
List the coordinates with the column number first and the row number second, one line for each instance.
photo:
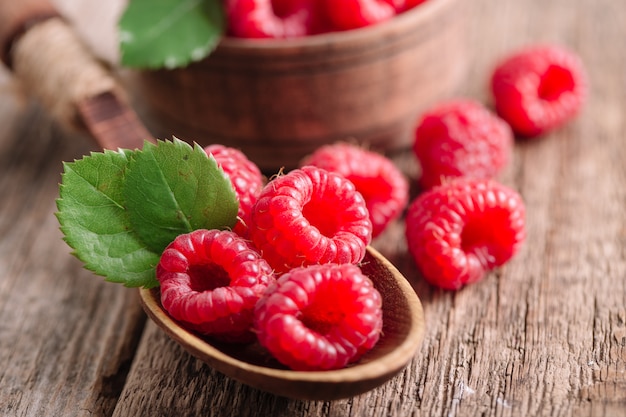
column 287, row 275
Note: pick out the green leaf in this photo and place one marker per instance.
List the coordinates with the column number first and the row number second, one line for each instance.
column 95, row 223
column 119, row 210
column 169, row 33
column 172, row 188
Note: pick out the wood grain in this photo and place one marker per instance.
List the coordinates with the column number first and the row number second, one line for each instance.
column 543, row 336
column 112, row 122
column 66, row 337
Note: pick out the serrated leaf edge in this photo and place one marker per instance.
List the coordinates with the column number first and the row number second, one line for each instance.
column 150, row 282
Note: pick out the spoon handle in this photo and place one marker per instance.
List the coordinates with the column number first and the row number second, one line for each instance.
column 58, row 70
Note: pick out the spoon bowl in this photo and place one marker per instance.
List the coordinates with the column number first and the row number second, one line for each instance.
column 403, row 329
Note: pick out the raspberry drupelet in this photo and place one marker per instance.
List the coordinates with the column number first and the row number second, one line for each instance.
column 211, row 281
column 310, row 216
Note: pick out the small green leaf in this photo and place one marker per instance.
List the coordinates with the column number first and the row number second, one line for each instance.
column 95, row 223
column 172, row 188
column 169, row 33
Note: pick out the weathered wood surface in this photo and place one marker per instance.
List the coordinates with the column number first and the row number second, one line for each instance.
column 545, row 335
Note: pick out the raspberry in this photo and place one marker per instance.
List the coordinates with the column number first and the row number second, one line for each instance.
column 539, row 88
column 353, row 14
column 458, row 231
column 461, row 138
column 413, row 3
column 285, row 7
column 310, row 216
column 319, row 317
column 259, row 19
column 246, row 178
column 404, row 5
column 211, row 281
column 316, row 21
column 384, row 187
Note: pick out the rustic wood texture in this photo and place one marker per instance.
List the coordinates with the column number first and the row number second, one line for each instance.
column 543, row 336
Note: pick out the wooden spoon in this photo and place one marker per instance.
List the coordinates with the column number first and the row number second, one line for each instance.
column 403, row 329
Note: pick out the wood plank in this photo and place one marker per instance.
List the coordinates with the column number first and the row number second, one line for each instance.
column 66, row 337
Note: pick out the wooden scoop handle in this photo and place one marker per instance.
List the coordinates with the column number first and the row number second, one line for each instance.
column 56, row 68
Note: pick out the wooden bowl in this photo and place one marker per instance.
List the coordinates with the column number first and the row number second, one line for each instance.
column 278, row 100
column 403, row 329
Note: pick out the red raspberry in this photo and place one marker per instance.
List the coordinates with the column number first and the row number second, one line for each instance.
column 310, row 216
column 413, row 3
column 246, row 178
column 404, row 5
column 384, row 187
column 353, row 14
column 458, row 231
column 211, row 281
column 461, row 138
column 319, row 317
column 317, row 19
column 285, row 7
column 259, row 18
column 539, row 88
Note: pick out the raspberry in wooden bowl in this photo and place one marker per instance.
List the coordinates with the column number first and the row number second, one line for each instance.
column 279, row 99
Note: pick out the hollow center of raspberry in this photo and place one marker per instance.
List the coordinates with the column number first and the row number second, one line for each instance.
column 488, row 237
column 284, row 8
column 323, row 314
column 555, row 82
column 321, row 216
column 207, row 277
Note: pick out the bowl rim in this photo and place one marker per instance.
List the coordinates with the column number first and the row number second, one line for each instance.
column 402, row 22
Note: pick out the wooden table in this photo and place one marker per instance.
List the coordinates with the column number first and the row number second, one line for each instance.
column 545, row 335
